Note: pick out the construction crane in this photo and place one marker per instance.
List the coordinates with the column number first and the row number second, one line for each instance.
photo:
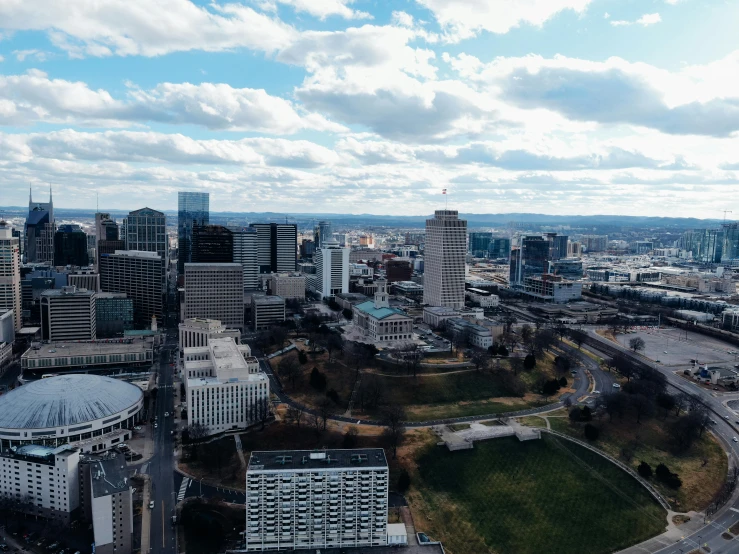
column 726, row 212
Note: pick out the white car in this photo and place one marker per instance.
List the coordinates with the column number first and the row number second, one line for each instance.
column 151, row 505
column 166, row 414
column 616, row 386
column 596, row 392
column 735, row 439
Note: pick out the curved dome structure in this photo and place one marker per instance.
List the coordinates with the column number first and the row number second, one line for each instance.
column 67, row 408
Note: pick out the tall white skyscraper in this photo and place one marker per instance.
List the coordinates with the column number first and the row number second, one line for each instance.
column 446, row 246
column 332, row 270
column 10, row 273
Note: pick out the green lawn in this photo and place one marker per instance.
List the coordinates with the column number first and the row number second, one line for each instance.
column 538, row 496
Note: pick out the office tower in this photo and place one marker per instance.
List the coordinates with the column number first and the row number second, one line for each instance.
column 332, row 270
column 109, row 247
column 595, row 243
column 139, row 276
column 574, row 249
column 193, row 208
column 84, row 279
column 146, row 231
column 10, row 274
column 266, row 311
column 285, row 511
column 40, row 229
column 500, row 248
column 557, row 246
column 706, row 245
column 322, row 233
column 287, row 285
column 245, row 254
column 68, row 314
column 730, row 250
column 443, row 281
column 215, row 291
column 307, row 248
column 212, row 244
column 113, row 314
column 277, row 245
column 535, row 255
column 225, row 387
column 515, row 276
column 102, row 226
column 70, row 246
column 398, row 270
column 480, row 244
column 7, row 326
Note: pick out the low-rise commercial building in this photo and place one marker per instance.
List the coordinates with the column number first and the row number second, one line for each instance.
column 60, row 356
column 437, row 316
column 409, row 289
column 483, row 298
column 476, row 335
column 196, row 332
column 266, row 311
column 552, row 288
column 231, row 393
column 313, row 500
column 287, row 285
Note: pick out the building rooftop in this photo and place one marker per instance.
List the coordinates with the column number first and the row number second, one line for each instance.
column 134, row 254
column 57, row 349
column 440, row 310
column 310, row 460
column 379, row 313
column 68, row 291
column 109, row 475
column 274, row 299
column 66, row 400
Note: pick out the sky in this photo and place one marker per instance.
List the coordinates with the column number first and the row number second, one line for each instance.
column 561, row 107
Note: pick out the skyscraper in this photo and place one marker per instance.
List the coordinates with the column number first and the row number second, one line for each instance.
column 70, row 246
column 40, row 229
column 10, row 273
column 277, row 245
column 322, row 233
column 332, row 270
column 446, row 238
column 215, row 291
column 139, row 275
column 480, row 243
column 500, row 247
column 193, row 208
column 146, row 231
column 212, row 244
column 245, row 254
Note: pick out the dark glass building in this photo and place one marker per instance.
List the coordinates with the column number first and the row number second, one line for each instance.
column 70, row 246
column 193, row 208
column 480, row 244
column 500, row 248
column 212, row 244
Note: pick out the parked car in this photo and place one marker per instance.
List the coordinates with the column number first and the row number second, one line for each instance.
column 616, row 386
column 166, row 414
column 735, row 439
column 151, row 505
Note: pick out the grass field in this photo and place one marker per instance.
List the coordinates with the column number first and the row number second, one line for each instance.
column 702, row 468
column 538, row 496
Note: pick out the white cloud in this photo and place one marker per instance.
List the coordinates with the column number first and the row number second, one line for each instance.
column 645, row 21
column 141, row 27
column 463, row 19
column 701, row 100
column 21, row 55
column 325, row 8
column 32, row 97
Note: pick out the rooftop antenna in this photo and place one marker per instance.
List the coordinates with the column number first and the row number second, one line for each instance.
column 446, row 199
column 97, row 202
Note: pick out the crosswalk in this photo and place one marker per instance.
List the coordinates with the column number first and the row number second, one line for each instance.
column 183, row 489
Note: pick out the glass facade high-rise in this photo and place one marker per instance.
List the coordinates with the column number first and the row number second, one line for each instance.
column 193, row 208
column 70, row 246
column 480, row 243
column 212, row 244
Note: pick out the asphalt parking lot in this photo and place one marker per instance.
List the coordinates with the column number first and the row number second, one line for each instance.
column 676, row 347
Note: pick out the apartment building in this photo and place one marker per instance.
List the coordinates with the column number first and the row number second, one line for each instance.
column 302, row 499
column 225, row 388
column 41, row 480
column 215, row 291
column 68, row 314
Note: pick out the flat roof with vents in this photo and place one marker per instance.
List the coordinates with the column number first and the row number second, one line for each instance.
column 312, row 460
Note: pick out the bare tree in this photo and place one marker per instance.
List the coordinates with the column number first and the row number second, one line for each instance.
column 294, row 414
column 289, row 368
column 480, row 360
column 333, row 343
column 325, row 411
column 578, row 337
column 394, row 433
column 410, row 355
column 314, row 419
column 279, row 335
column 516, row 365
column 637, row 344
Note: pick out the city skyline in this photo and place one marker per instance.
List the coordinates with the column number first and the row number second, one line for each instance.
column 579, row 106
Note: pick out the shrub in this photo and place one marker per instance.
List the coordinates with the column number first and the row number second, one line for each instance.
column 302, row 357
column 670, row 479
column 645, row 470
column 333, row 395
column 529, row 362
column 587, row 413
column 404, row 481
column 562, row 381
column 502, row 350
column 591, row 432
column 350, row 437
column 317, row 379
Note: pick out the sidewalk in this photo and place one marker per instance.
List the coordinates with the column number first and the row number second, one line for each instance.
column 146, row 517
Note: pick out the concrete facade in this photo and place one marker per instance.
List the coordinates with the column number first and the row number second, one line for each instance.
column 446, row 248
column 10, row 273
column 215, row 291
column 68, row 314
